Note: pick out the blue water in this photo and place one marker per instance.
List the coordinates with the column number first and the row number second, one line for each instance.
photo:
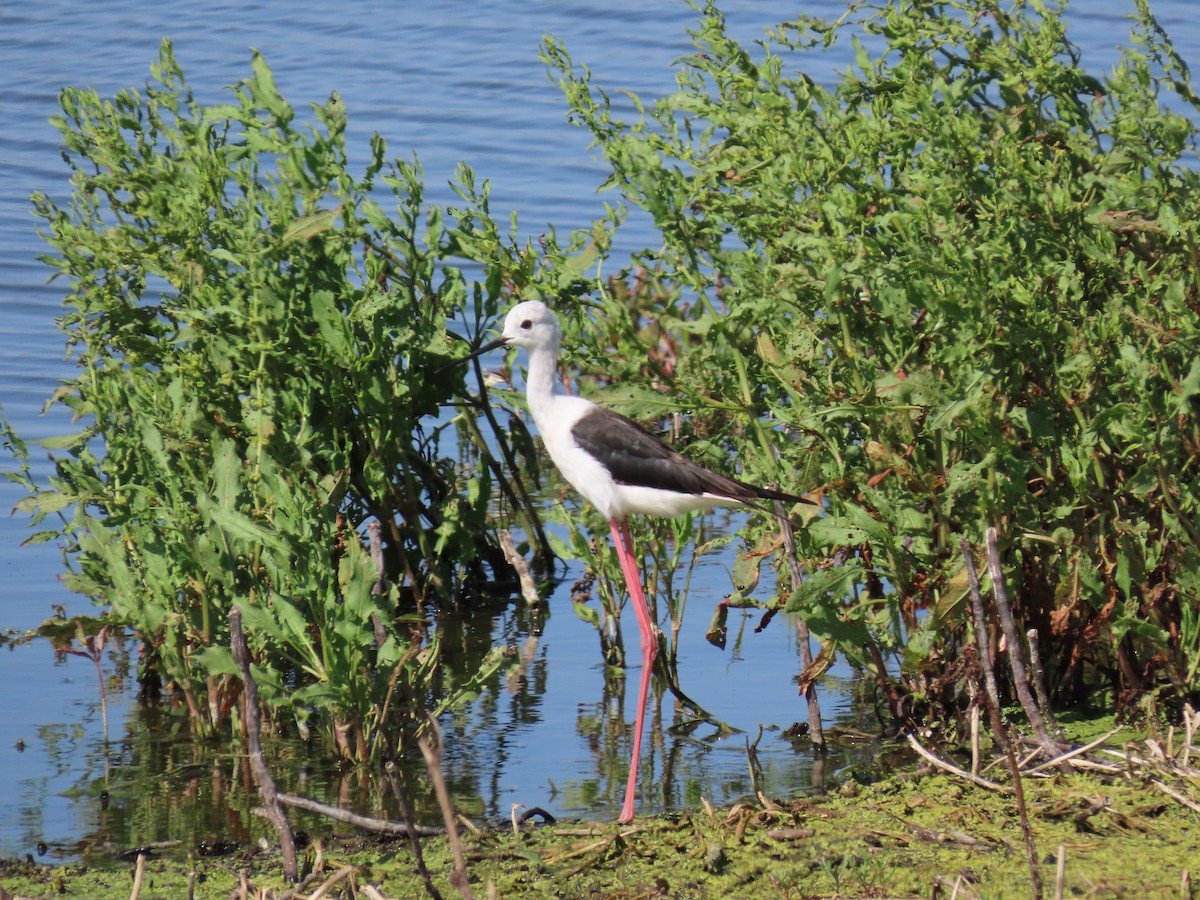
column 448, row 82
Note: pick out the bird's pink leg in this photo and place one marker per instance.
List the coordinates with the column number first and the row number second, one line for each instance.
column 633, row 582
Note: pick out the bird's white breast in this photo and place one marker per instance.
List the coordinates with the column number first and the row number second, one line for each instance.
column 582, row 471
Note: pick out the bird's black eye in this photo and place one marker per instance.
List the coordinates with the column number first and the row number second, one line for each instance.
column 527, row 324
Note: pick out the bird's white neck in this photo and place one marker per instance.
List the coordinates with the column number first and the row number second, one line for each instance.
column 541, row 383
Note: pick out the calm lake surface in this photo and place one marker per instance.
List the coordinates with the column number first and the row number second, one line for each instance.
column 448, row 82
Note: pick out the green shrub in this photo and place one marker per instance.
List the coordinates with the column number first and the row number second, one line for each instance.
column 259, row 345
column 957, row 289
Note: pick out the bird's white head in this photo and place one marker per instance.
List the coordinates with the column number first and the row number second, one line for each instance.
column 531, row 325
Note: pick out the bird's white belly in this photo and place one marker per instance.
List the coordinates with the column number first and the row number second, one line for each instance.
column 636, row 500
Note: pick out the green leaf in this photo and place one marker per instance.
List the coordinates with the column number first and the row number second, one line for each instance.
column 335, row 330
column 43, row 503
column 835, row 531
column 64, row 441
column 241, row 527
column 314, row 224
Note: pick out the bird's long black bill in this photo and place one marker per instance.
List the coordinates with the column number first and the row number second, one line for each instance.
column 486, row 348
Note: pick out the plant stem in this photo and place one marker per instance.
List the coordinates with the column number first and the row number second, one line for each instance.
column 262, row 775
column 433, row 762
column 1013, row 639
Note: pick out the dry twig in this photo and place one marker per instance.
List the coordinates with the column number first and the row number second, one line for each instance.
column 981, row 629
column 139, row 873
column 517, row 561
column 400, row 792
column 382, row 826
column 433, row 762
column 1071, row 754
column 955, row 770
column 1039, row 681
column 1013, row 639
column 816, row 730
column 258, row 765
column 340, row 875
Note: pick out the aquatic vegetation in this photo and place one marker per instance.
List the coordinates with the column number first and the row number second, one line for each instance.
column 908, row 836
column 262, row 419
column 956, row 289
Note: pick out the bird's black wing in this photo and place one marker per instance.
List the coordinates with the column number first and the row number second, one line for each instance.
column 636, row 457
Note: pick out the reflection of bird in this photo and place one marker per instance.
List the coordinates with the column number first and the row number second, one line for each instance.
column 618, row 468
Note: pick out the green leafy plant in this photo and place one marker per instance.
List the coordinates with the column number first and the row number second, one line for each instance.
column 958, row 288
column 258, row 345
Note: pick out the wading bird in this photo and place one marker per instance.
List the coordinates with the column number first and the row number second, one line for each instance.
column 619, row 469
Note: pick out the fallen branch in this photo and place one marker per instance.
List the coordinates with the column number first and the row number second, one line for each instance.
column 367, row 823
column 1072, row 754
column 955, row 770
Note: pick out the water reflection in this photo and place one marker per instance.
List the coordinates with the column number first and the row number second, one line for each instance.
column 564, row 742
column 558, row 742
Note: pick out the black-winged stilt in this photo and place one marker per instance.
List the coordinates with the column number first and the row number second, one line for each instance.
column 619, row 469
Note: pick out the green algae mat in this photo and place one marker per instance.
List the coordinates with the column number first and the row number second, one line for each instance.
column 911, row 836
